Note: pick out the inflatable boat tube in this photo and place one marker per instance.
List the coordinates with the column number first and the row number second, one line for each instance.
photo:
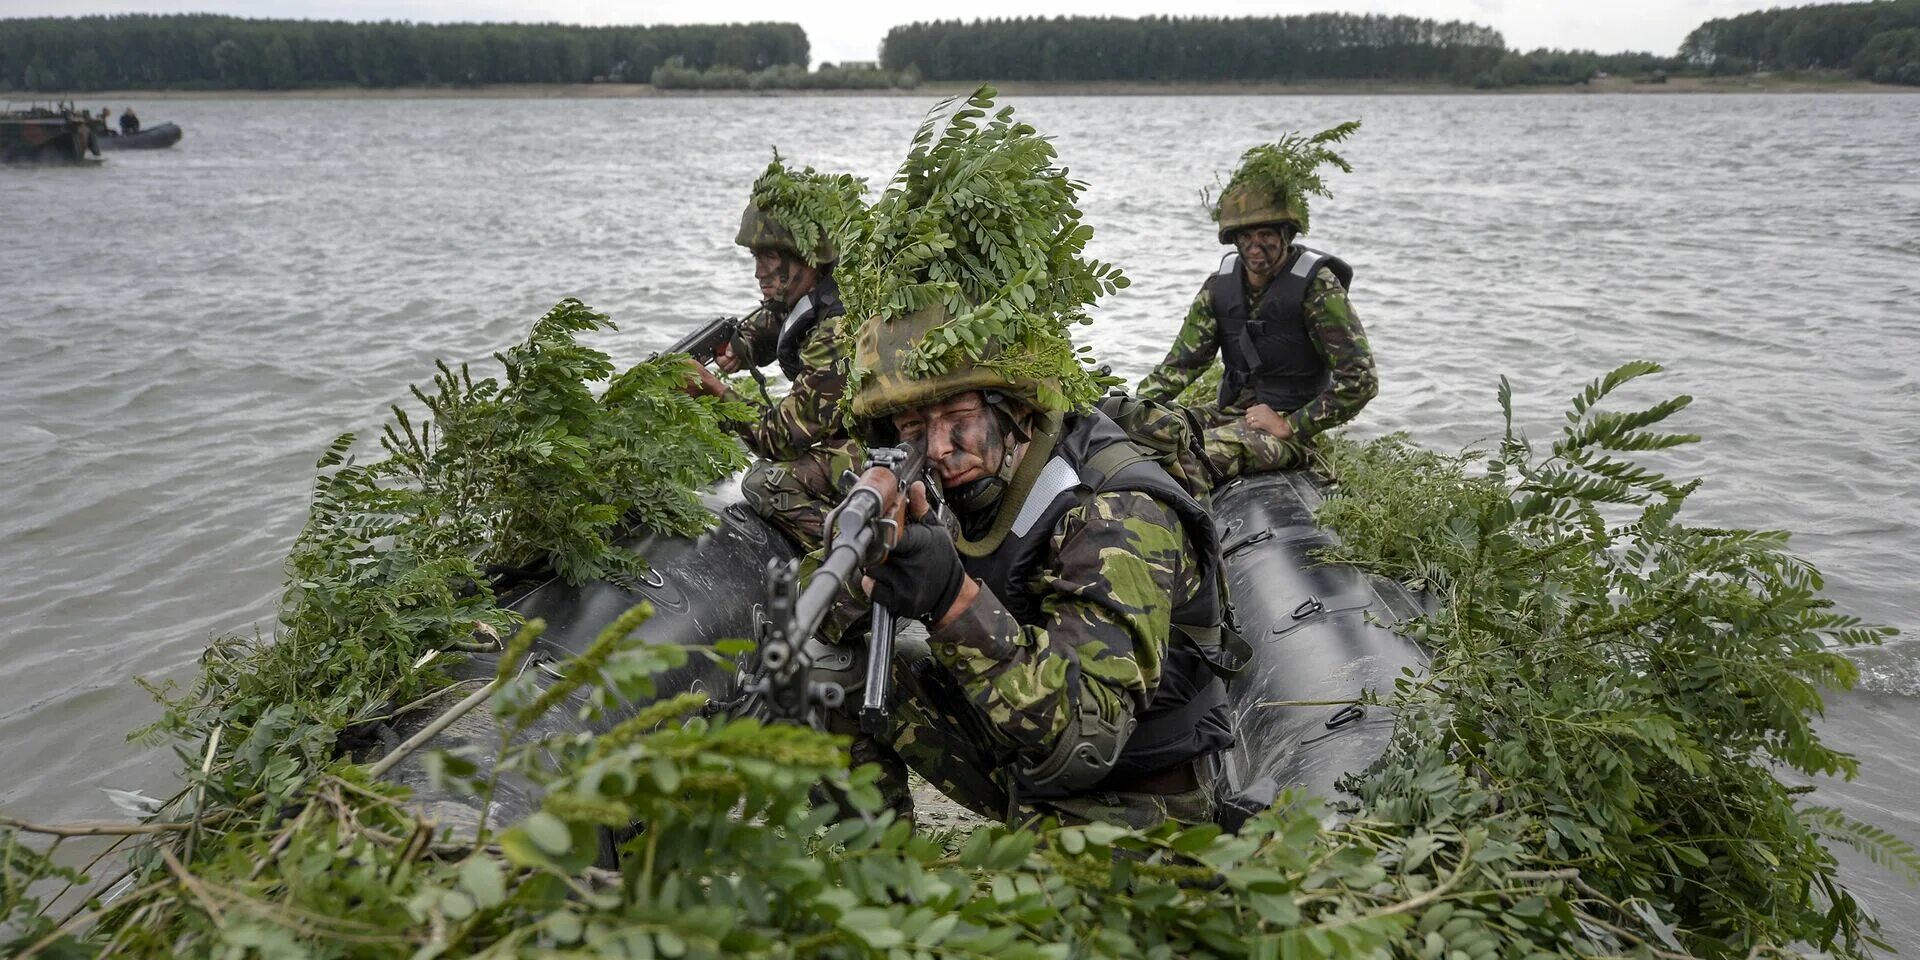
column 702, row 590
column 152, row 138
column 1321, row 637
column 1317, row 632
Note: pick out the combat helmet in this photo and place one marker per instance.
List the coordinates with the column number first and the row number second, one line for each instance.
column 760, row 230
column 1276, row 182
column 1245, row 205
column 893, row 376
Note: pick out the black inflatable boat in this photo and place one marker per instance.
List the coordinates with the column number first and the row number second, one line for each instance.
column 1318, row 631
column 152, row 138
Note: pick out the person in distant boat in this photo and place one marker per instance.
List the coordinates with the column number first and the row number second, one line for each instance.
column 1296, row 358
column 801, row 439
column 129, row 124
column 106, row 121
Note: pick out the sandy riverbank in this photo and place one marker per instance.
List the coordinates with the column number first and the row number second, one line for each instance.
column 620, row 91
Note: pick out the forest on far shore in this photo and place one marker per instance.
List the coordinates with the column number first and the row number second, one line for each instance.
column 1878, row 41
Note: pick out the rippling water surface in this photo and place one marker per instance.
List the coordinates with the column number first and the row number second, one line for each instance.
column 183, row 331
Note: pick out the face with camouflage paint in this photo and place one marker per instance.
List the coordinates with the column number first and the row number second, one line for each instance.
column 963, row 438
column 1262, row 249
column 783, row 277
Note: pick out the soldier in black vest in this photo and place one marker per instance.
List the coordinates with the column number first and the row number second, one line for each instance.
column 1296, row 358
column 801, row 439
column 1074, row 605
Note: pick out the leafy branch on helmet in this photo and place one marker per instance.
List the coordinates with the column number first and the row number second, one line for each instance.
column 981, row 223
column 822, row 213
column 1285, row 173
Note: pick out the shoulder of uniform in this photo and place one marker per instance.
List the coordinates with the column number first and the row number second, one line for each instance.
column 1325, row 281
column 1127, row 506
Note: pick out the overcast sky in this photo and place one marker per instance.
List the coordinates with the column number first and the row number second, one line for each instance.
column 852, row 30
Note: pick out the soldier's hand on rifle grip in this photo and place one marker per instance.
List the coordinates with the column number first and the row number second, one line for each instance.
column 701, row 382
column 726, row 359
column 921, row 577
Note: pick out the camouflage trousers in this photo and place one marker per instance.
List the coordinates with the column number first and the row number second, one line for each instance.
column 940, row 734
column 795, row 495
column 1232, row 447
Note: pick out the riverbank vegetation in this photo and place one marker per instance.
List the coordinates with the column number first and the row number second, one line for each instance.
column 676, row 75
column 1589, row 769
column 1878, row 41
column 202, row 51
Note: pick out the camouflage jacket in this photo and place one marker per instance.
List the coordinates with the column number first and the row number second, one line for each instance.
column 1337, row 336
column 1114, row 570
column 809, row 415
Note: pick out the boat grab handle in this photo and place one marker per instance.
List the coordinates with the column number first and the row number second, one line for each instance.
column 1265, row 534
column 1308, row 608
column 1345, row 715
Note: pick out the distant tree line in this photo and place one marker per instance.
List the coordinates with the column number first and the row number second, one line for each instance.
column 1879, row 40
column 675, row 75
column 1319, row 46
column 219, row 52
column 1545, row 67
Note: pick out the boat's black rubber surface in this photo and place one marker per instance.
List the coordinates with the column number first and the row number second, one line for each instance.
column 1308, row 624
column 153, row 138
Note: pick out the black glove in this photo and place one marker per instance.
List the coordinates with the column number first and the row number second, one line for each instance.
column 922, row 574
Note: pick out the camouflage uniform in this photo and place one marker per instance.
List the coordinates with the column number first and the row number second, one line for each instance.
column 997, row 694
column 1230, row 444
column 801, row 438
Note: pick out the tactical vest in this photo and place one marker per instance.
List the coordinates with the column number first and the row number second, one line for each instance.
column 1272, row 351
column 1187, row 717
column 820, row 303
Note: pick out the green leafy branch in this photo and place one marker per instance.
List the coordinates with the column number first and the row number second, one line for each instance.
column 980, row 220
column 1288, row 169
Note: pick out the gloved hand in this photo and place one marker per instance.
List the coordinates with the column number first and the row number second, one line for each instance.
column 922, row 575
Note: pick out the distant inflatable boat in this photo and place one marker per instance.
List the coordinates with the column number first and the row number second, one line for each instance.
column 1319, row 635
column 152, row 138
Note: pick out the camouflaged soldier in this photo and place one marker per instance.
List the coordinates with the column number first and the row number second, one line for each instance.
column 1075, row 608
column 1296, row 358
column 801, row 439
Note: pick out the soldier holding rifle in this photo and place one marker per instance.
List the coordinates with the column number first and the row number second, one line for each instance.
column 789, row 226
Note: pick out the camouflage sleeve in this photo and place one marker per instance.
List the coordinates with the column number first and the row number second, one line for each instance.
column 760, row 334
column 1118, row 565
column 1191, row 354
column 810, row 412
column 1342, row 345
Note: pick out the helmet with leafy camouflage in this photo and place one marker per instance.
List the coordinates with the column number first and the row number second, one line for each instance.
column 884, row 355
column 1276, row 181
column 1245, row 205
column 760, row 230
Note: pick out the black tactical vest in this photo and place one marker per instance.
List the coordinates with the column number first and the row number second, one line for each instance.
column 820, row 303
column 1271, row 350
column 1187, row 717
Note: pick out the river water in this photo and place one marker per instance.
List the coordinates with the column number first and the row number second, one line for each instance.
column 184, row 331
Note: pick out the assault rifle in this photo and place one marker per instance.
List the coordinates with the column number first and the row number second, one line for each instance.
column 704, row 342
column 860, row 531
